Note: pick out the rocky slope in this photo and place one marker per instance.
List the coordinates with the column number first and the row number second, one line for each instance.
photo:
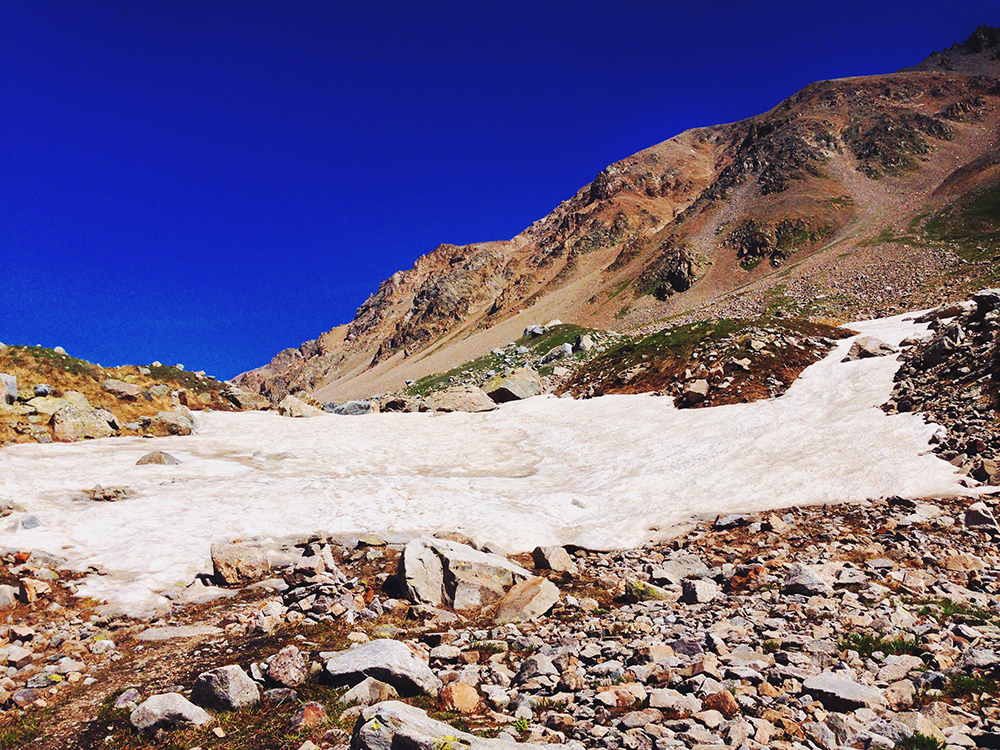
column 852, row 197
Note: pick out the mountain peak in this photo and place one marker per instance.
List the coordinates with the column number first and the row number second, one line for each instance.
column 977, row 55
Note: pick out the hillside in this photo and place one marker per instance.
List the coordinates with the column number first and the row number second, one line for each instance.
column 853, row 197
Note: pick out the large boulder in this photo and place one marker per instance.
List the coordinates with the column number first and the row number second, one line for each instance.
column 121, row 389
column 385, row 660
column 294, row 407
column 167, row 711
column 842, row 694
column 8, row 388
column 355, row 408
column 226, row 688
column 803, row 580
column 461, row 398
column 520, row 384
column 866, row 347
column 236, row 564
column 71, row 423
column 391, row 725
column 440, row 571
column 171, row 423
column 247, row 400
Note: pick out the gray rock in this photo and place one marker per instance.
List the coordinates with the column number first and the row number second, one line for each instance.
column 42, row 389
column 842, row 694
column 802, row 580
column 527, row 600
column 394, row 725
column 553, row 558
column 120, row 389
column 556, row 353
column 239, row 563
column 674, row 703
column 699, row 591
column 181, row 631
column 385, row 660
column 226, row 688
column 354, row 408
column 71, row 423
column 171, row 423
column 368, row 692
column 8, row 388
column 157, row 457
column 865, row 347
column 980, row 516
column 8, row 596
column 288, row 667
column 584, row 343
column 465, row 398
column 520, row 384
column 167, row 711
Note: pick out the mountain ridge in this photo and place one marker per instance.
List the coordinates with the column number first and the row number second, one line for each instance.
column 713, row 220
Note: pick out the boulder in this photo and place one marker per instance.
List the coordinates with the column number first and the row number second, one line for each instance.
column 584, row 343
column 368, row 692
column 170, row 423
column 437, row 571
column 247, row 400
column 355, row 408
column 288, row 667
column 157, row 457
column 980, row 516
column 71, row 423
column 294, row 407
column 167, row 711
column 520, row 384
column 556, row 353
column 385, row 660
column 553, row 558
column 699, row 591
column 235, row 564
column 842, row 694
column 393, row 724
column 8, row 388
column 801, row 580
column 120, row 389
column 42, row 389
column 226, row 688
column 865, row 347
column 696, row 392
column 527, row 600
column 466, row 398
column 310, row 715
column 459, row 697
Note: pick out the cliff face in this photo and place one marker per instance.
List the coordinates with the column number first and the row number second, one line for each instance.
column 715, row 219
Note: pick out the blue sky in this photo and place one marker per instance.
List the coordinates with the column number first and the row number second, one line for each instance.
column 211, row 182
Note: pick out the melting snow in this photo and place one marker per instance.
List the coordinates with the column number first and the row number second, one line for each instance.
column 606, row 473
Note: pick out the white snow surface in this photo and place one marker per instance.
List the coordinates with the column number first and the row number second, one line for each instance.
column 610, row 472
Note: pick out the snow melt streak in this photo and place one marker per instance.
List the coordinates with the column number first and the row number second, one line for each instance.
column 603, row 473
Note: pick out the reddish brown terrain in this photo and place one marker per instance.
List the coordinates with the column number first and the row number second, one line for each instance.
column 853, row 197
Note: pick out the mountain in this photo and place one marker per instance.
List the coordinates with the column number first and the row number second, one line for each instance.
column 856, row 196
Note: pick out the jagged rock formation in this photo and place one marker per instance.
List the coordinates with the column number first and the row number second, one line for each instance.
column 821, row 185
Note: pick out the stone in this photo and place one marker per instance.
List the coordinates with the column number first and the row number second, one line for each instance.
column 177, row 631
column 8, row 596
column 556, row 353
column 8, row 388
column 522, row 383
column 674, row 704
column 167, row 711
column 392, row 725
column 527, row 600
column 159, row 458
column 803, row 580
column 466, row 398
column 42, row 389
column 842, row 694
column 457, row 696
column 311, row 714
column 553, row 558
column 724, row 702
column 368, row 692
column 584, row 343
column 699, row 591
column 696, row 391
column 385, row 660
column 896, row 667
column 170, row 423
column 30, row 589
column 120, row 389
column 288, row 667
column 225, row 688
column 355, row 408
column 244, row 399
column 290, row 406
column 71, row 423
column 865, row 347
column 979, row 516
column 235, row 564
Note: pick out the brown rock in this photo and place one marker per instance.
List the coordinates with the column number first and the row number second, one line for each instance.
column 288, row 667
column 29, row 589
column 526, row 600
column 311, row 714
column 724, row 702
column 239, row 563
column 457, row 696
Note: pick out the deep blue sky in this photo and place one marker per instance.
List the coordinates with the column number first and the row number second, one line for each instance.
column 210, row 182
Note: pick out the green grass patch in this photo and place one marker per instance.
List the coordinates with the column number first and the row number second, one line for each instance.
column 750, row 262
column 946, row 610
column 867, row 644
column 918, row 741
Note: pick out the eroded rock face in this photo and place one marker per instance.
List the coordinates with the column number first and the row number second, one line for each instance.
column 384, row 660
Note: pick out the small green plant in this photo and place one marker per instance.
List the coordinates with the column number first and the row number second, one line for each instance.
column 946, row 610
column 521, row 724
column 770, row 646
column 918, row 741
